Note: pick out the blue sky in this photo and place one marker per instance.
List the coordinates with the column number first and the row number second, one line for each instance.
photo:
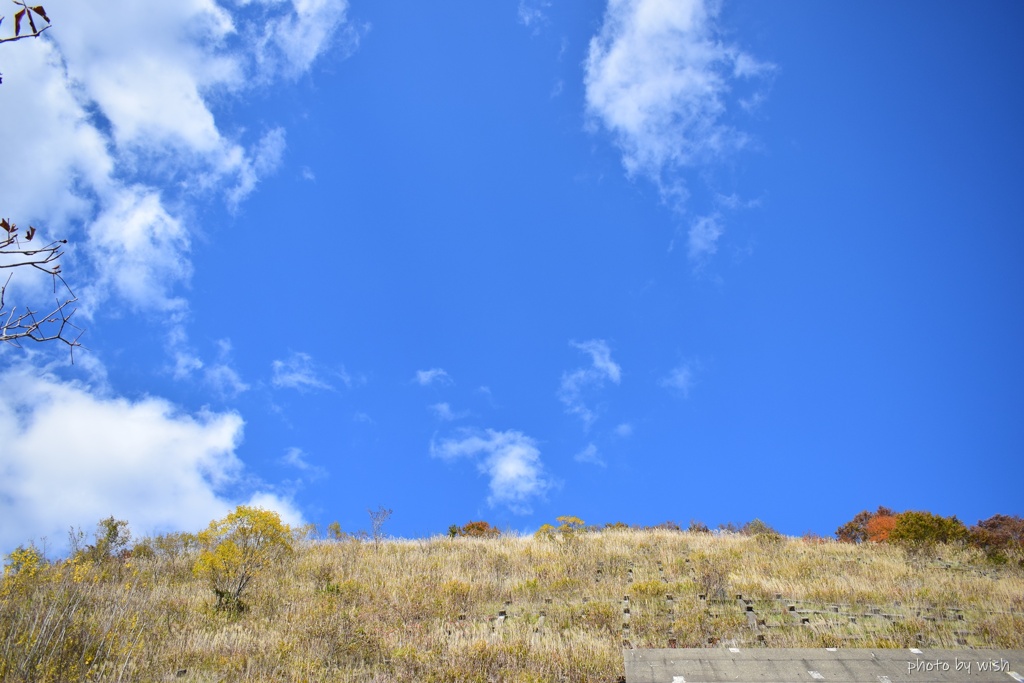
column 632, row 261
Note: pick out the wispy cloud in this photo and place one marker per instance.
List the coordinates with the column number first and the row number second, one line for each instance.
column 225, row 380
column 680, row 379
column 623, row 430
column 590, row 456
column 299, row 371
column 433, row 376
column 702, row 239
column 141, row 460
column 574, row 384
column 295, row 457
column 220, row 375
column 533, row 13
column 510, row 459
column 444, row 412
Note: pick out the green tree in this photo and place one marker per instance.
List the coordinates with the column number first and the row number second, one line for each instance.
column 112, row 539
column 922, row 530
column 237, row 548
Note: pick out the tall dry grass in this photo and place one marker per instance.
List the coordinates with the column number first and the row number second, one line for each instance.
column 509, row 609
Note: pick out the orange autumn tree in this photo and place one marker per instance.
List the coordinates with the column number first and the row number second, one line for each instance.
column 479, row 529
column 879, row 527
column 856, row 530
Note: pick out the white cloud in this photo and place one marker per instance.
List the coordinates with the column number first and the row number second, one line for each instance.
column 658, row 77
column 702, row 240
column 680, row 379
column 282, row 505
column 443, row 411
column 221, row 376
column 601, row 355
column 123, row 135
column 623, row 430
column 289, row 43
column 533, row 13
column 298, row 371
column 140, row 251
column 575, row 383
column 73, row 455
column 590, row 455
column 427, row 377
column 266, row 157
column 225, row 380
column 510, row 459
column 295, row 457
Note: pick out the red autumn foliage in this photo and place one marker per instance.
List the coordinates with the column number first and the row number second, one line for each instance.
column 479, row 529
column 856, row 530
column 879, row 527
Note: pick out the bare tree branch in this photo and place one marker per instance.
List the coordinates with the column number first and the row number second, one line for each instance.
column 11, row 39
column 55, row 325
column 29, row 324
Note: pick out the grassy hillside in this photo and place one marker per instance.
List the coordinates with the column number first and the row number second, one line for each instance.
column 508, row 608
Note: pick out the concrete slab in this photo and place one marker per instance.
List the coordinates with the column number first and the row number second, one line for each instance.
column 768, row 665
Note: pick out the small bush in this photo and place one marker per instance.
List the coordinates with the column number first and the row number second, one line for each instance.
column 479, row 529
column 812, row 538
column 335, row 533
column 569, row 529
column 711, row 575
column 698, row 527
column 758, row 528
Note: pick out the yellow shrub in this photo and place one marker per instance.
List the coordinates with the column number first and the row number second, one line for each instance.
column 237, row 548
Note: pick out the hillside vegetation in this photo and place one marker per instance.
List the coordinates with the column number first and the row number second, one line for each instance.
column 241, row 603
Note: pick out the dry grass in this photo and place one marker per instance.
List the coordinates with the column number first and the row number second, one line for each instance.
column 510, row 609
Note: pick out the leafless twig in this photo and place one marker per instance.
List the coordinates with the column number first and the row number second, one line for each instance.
column 55, row 325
